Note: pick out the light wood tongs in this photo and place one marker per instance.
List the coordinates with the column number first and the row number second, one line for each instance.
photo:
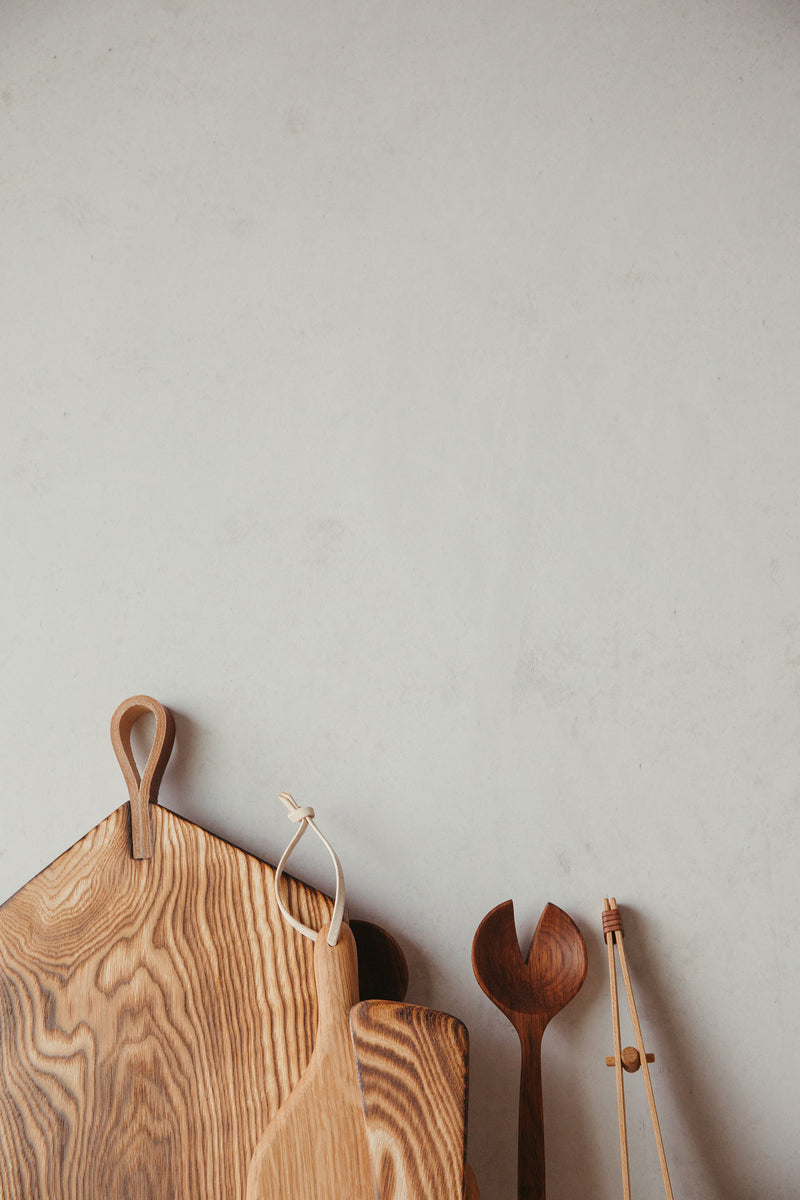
column 631, row 1058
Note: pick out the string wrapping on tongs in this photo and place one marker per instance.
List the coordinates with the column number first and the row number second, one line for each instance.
column 304, row 818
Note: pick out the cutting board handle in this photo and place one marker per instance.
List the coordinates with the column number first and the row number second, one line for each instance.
column 142, row 789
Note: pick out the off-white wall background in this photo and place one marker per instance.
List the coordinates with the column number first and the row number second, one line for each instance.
column 407, row 395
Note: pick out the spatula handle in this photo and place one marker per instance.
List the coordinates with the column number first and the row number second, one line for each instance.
column 530, row 1156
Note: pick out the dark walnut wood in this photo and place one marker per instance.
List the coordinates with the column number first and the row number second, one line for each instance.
column 154, row 1015
column 530, row 992
column 382, row 966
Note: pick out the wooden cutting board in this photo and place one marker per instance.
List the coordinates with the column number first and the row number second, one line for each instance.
column 413, row 1074
column 154, row 1015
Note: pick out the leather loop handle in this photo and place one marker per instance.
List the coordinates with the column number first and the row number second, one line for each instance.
column 142, row 789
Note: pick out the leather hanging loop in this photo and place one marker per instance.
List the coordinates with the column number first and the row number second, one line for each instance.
column 304, row 819
column 142, row 789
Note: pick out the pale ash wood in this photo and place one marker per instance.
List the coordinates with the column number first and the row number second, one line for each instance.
column 618, row 1063
column 142, row 790
column 316, row 1147
column 413, row 1071
column 530, row 992
column 637, row 1030
column 154, row 1015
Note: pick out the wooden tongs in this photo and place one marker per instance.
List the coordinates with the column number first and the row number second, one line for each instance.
column 631, row 1058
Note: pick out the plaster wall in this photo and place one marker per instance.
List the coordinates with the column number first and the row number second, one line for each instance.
column 407, row 395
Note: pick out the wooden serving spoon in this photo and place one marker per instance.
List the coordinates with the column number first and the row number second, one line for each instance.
column 529, row 992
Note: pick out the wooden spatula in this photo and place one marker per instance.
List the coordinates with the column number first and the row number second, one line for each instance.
column 316, row 1147
column 412, row 1067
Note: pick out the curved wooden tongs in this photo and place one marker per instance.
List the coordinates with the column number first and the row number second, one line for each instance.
column 631, row 1058
column 530, row 992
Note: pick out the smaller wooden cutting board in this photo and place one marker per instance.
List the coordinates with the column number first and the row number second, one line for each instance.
column 413, row 1071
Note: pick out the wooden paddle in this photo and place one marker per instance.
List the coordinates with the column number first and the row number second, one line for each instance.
column 412, row 1068
column 316, row 1147
column 529, row 992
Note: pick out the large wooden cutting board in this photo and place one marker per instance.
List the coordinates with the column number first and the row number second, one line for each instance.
column 154, row 1015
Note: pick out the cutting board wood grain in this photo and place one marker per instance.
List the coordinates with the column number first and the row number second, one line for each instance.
column 413, row 1073
column 154, row 1015
column 316, row 1148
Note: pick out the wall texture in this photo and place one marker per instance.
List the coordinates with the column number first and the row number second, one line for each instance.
column 406, row 394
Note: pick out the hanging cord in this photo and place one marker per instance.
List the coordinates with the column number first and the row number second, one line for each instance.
column 304, row 817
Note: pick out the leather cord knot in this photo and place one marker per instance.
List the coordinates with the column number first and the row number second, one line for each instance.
column 303, row 817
